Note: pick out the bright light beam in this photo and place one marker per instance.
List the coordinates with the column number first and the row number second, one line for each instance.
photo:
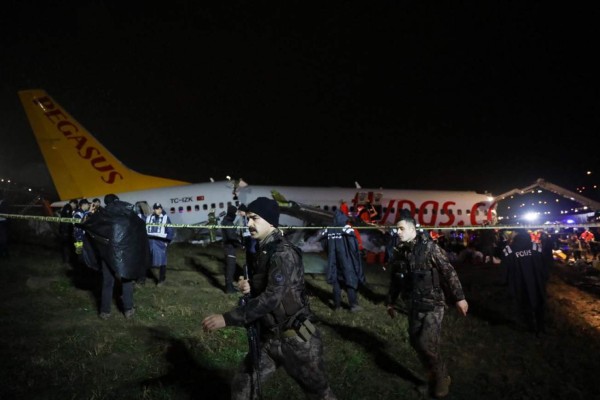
column 530, row 216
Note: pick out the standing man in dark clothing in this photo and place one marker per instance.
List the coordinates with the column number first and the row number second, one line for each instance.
column 421, row 272
column 280, row 306
column 65, row 231
column 344, row 264
column 526, row 276
column 119, row 236
column 231, row 242
column 248, row 242
column 80, row 213
column 159, row 236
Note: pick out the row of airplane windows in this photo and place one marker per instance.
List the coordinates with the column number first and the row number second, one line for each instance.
column 223, row 206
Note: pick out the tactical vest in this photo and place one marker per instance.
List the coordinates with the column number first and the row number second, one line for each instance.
column 295, row 301
column 418, row 285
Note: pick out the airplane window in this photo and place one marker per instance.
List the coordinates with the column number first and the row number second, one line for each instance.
column 172, row 210
column 459, row 212
column 196, row 207
column 434, row 211
column 213, row 205
column 333, row 208
column 205, row 206
column 180, row 209
column 326, row 208
column 425, row 211
column 221, row 206
column 189, row 208
column 468, row 212
column 442, row 212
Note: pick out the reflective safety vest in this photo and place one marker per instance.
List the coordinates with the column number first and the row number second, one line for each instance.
column 157, row 231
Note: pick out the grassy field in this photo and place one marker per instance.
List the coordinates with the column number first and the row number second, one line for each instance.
column 54, row 346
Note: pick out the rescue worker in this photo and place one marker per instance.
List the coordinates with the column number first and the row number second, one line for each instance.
column 65, row 231
column 231, row 242
column 280, row 306
column 95, row 205
column 422, row 274
column 526, row 275
column 212, row 220
column 119, row 237
column 248, row 242
column 587, row 237
column 344, row 265
column 159, row 237
column 78, row 233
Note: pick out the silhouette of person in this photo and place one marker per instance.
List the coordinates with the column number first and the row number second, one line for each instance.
column 526, row 277
column 119, row 237
column 344, row 266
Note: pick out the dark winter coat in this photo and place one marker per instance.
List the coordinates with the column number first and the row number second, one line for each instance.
column 119, row 236
column 278, row 292
column 526, row 271
column 423, row 275
column 343, row 256
column 230, row 236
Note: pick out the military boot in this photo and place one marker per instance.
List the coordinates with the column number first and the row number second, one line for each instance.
column 440, row 386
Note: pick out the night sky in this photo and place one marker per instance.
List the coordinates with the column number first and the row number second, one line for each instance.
column 481, row 96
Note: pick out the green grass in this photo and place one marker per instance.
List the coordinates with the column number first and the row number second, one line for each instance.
column 53, row 345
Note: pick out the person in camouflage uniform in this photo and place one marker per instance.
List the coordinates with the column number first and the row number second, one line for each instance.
column 422, row 274
column 278, row 307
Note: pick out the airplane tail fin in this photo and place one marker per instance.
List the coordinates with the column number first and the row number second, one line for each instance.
column 79, row 165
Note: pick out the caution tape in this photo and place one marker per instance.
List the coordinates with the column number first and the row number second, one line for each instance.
column 360, row 227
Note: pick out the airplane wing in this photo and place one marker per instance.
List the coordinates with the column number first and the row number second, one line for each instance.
column 312, row 216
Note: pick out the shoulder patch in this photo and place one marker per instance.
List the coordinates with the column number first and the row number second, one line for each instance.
column 278, row 277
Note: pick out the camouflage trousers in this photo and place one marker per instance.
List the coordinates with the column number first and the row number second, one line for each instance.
column 303, row 361
column 424, row 331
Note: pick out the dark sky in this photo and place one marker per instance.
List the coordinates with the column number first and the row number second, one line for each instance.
column 401, row 94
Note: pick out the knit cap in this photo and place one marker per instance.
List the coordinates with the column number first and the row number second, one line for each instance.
column 267, row 209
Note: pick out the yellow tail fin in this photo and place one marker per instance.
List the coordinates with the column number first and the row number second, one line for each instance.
column 79, row 165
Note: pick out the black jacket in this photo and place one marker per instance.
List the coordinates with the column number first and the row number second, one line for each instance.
column 119, row 236
column 526, row 271
column 230, row 235
column 278, row 292
column 343, row 256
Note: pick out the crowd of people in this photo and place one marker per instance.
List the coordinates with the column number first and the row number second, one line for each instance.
column 125, row 245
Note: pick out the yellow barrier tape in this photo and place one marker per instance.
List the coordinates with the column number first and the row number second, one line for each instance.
column 360, row 227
